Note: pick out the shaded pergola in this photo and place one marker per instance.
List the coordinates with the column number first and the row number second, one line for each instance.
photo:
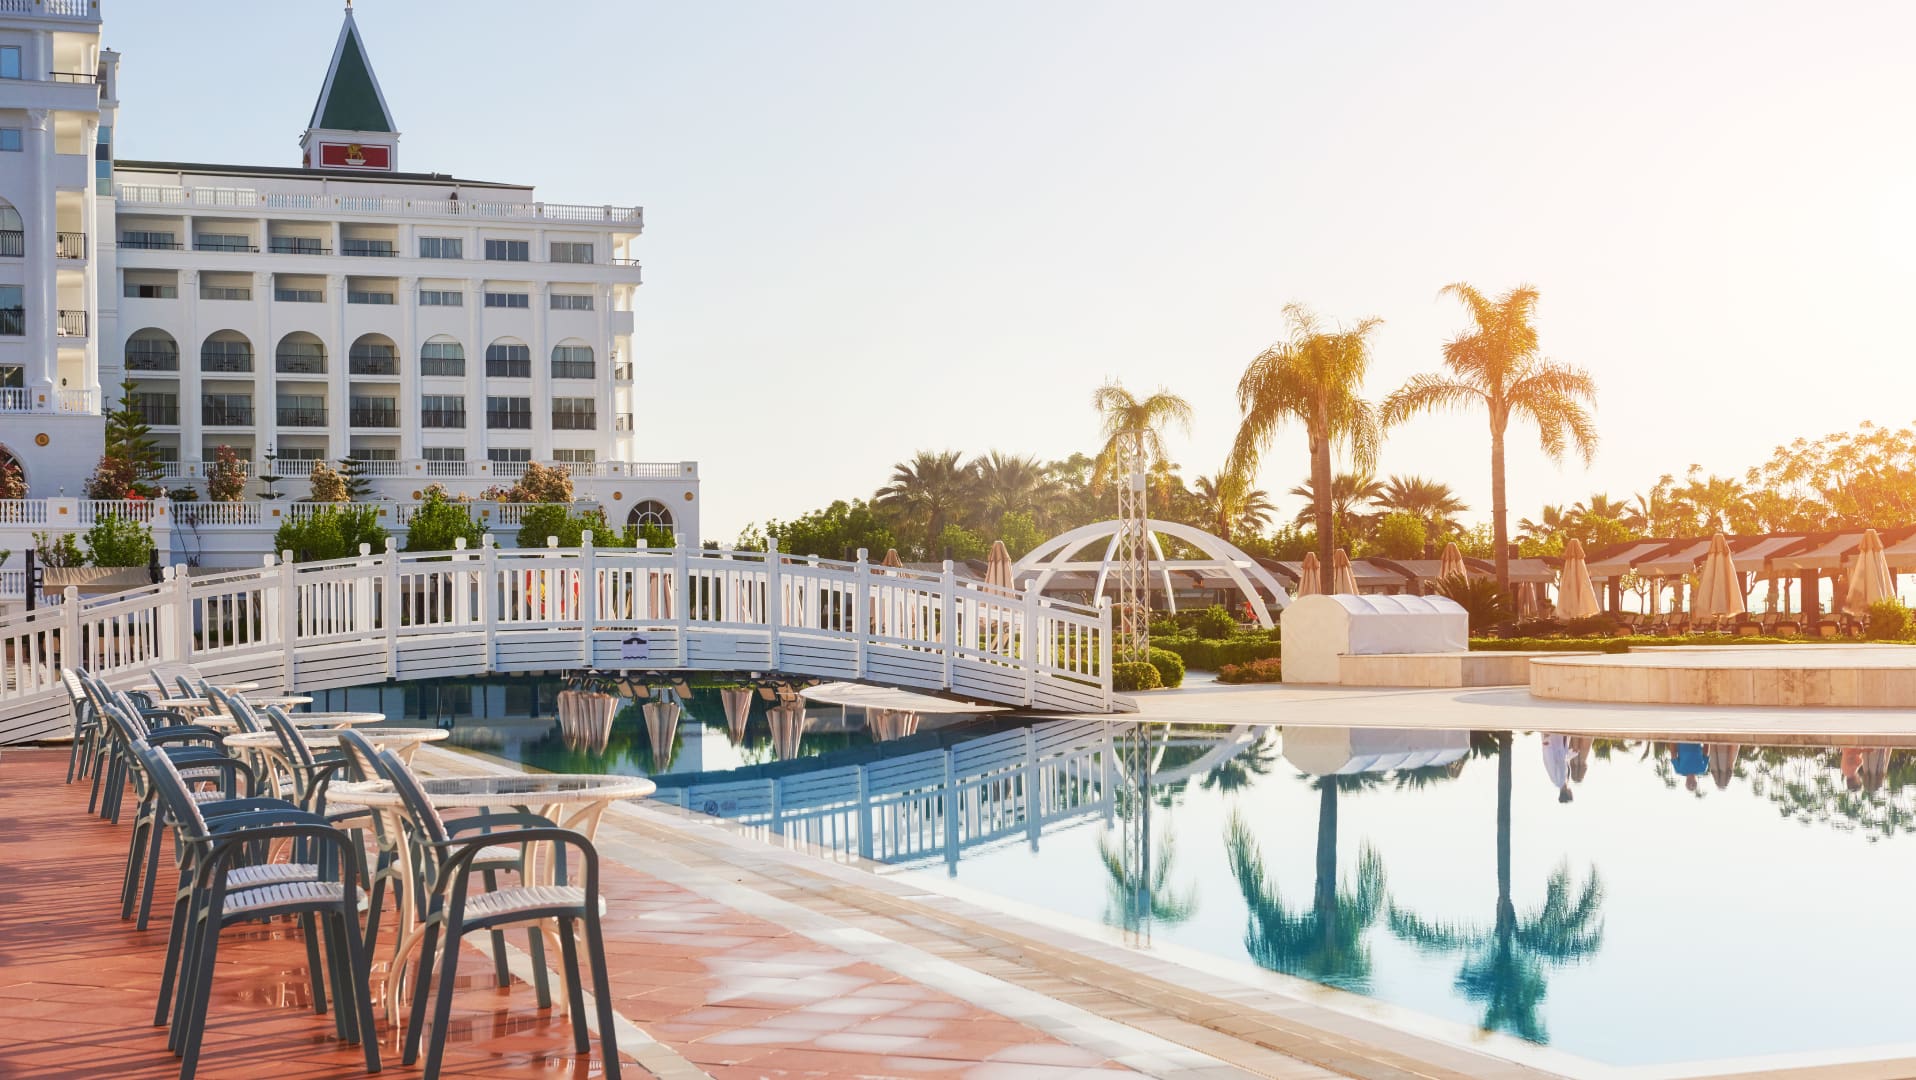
column 1804, row 558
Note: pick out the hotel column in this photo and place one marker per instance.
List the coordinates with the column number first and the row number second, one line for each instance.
column 339, row 365
column 42, row 292
column 191, row 439
column 406, row 394
column 541, row 349
column 90, row 277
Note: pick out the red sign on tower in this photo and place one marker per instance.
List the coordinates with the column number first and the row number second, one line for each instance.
column 354, row 156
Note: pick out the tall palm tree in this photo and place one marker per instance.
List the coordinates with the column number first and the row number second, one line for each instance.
column 1136, row 425
column 1349, row 494
column 1503, row 964
column 928, row 489
column 1007, row 483
column 1311, row 378
column 1496, row 364
column 1228, row 503
column 1430, row 501
column 1715, row 502
column 1549, row 523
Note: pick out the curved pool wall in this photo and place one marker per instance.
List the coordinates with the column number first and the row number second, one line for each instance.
column 1685, row 902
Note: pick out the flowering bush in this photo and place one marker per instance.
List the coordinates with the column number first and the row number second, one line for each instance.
column 227, row 480
column 1267, row 670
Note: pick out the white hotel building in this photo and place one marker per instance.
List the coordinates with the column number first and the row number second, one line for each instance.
column 442, row 330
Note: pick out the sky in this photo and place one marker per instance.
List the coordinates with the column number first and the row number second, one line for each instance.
column 875, row 228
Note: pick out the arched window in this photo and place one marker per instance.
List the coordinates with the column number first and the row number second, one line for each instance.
column 507, row 359
column 13, row 236
column 373, row 354
column 651, row 512
column 300, row 353
column 442, row 356
column 152, row 349
column 572, row 361
column 226, row 351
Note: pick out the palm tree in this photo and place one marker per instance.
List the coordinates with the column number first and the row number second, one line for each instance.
column 927, row 489
column 1548, row 524
column 1503, row 964
column 1007, row 483
column 1134, row 425
column 1311, row 378
column 1350, row 492
column 1228, row 503
column 1714, row 502
column 1431, row 501
column 1496, row 364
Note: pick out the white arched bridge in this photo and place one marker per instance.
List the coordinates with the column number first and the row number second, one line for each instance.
column 406, row 615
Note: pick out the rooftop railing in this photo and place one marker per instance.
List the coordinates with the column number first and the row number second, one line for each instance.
column 452, row 205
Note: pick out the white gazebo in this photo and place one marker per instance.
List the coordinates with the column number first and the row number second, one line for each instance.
column 1223, row 561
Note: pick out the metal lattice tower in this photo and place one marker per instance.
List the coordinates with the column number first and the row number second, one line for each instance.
column 1134, row 583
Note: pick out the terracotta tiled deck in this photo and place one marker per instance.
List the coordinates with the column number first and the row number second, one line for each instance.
column 723, row 992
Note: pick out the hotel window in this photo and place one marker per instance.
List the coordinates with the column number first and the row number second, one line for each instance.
column 11, row 140
column 145, row 291
column 442, row 411
column 374, row 249
column 441, row 298
column 442, row 358
column 509, row 413
column 509, row 454
column 566, row 251
column 443, row 453
column 575, row 414
column 221, row 242
column 564, row 456
column 572, row 301
column 508, row 361
column 302, row 453
column 9, row 61
column 297, row 245
column 572, row 362
column 374, row 453
column 13, row 310
column 508, row 299
column 442, row 247
column 509, row 250
column 160, row 241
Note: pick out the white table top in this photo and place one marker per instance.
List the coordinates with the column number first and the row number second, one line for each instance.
column 519, row 789
column 301, row 720
column 323, row 740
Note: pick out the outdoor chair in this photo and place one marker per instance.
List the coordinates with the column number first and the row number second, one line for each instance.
column 454, row 911
column 111, row 776
column 86, row 726
column 225, row 880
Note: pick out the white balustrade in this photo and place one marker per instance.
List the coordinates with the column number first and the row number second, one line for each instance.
column 248, row 198
column 92, row 510
column 23, row 512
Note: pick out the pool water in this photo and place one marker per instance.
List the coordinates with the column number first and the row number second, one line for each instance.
column 1632, row 903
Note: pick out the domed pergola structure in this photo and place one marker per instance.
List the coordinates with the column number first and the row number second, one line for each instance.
column 1040, row 567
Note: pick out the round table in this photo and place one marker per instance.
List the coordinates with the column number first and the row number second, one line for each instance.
column 574, row 801
column 200, row 704
column 301, row 720
column 402, row 741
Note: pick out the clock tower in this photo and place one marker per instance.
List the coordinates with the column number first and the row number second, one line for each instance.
column 351, row 126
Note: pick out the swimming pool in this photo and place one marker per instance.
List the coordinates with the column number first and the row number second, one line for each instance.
column 1632, row 903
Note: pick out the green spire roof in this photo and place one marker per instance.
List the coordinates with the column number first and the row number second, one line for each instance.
column 350, row 99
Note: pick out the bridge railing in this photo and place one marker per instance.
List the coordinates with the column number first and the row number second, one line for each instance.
column 708, row 610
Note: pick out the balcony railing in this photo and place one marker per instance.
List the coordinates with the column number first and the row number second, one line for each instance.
column 622, row 422
column 622, row 373
column 13, row 322
column 301, row 416
column 575, row 421
column 450, row 206
column 368, row 249
column 297, row 247
column 222, row 243
column 373, row 365
column 300, row 296
column 154, row 413
column 442, row 418
column 354, row 296
column 143, row 357
column 508, row 420
column 141, row 243
column 220, row 363
column 375, row 416
column 73, row 323
column 69, row 245
column 574, row 369
column 300, row 363
column 225, row 292
column 223, row 414
column 74, row 77
column 13, row 243
column 59, row 9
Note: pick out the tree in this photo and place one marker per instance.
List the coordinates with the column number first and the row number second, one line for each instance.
column 61, row 551
column 958, row 542
column 558, row 520
column 836, row 532
column 331, row 532
column 1227, row 504
column 328, row 486
column 1400, row 535
column 119, row 541
column 548, row 484
column 226, row 481
column 1496, row 364
column 13, row 482
column 1549, row 524
column 1133, row 426
column 1349, row 492
column 131, row 463
column 1430, row 500
column 438, row 521
column 926, row 491
column 1312, row 378
column 352, row 472
column 1006, row 484
column 1019, row 532
column 1716, row 503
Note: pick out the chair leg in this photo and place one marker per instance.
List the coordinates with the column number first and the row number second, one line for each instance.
column 501, row 976
column 93, row 800
column 312, row 963
column 601, row 989
column 541, row 981
column 158, row 826
column 442, row 1008
column 202, row 997
column 135, row 850
column 358, row 983
column 175, row 941
column 345, row 1020
column 421, row 991
column 574, row 987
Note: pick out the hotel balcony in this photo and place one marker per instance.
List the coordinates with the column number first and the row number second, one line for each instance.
column 13, row 243
column 302, row 415
column 69, row 245
column 73, row 324
column 230, row 411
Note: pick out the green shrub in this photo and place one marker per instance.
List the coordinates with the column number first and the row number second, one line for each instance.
column 63, row 550
column 1400, row 535
column 331, row 532
column 1256, row 671
column 540, row 522
column 1133, row 675
column 1600, row 625
column 1205, row 655
column 1165, row 628
column 439, row 521
column 1215, row 623
column 1480, row 598
column 1889, row 620
column 1169, row 664
column 119, row 541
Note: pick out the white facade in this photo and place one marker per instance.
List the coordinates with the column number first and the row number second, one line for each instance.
column 440, row 330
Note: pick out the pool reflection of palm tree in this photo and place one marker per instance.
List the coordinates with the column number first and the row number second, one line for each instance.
column 1243, row 767
column 1326, row 941
column 1139, row 892
column 1504, row 964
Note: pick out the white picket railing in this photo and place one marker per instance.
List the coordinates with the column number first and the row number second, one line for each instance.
column 252, row 198
column 405, row 615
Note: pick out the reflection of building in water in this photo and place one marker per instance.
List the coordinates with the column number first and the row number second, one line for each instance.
column 907, row 807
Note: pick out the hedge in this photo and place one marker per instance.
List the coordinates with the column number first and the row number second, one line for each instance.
column 1268, row 670
column 1622, row 644
column 1134, row 675
column 1205, row 654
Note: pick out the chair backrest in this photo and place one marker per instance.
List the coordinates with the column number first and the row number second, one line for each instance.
column 419, row 808
column 171, row 788
column 174, row 673
column 289, row 740
column 361, row 755
column 236, row 707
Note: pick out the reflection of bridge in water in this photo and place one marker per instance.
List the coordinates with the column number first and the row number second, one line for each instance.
column 937, row 803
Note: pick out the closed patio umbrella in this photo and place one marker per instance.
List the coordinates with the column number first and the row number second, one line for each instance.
column 1723, row 763
column 585, row 719
column 1310, row 578
column 1576, row 599
column 998, row 566
column 662, row 731
column 788, row 730
column 1527, row 606
column 738, row 710
column 1719, row 591
column 1869, row 579
column 892, row 560
column 1452, row 564
column 1343, row 578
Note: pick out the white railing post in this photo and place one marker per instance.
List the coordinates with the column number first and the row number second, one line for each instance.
column 861, row 599
column 390, row 605
column 682, row 602
column 948, row 625
column 363, row 593
column 456, row 576
column 72, row 650
column 1104, row 649
column 181, row 600
column 268, row 600
column 488, row 613
column 1029, row 639
column 288, row 616
column 588, row 596
column 774, row 597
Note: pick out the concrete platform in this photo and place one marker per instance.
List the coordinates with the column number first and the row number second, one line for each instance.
column 1441, row 669
column 1791, row 676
